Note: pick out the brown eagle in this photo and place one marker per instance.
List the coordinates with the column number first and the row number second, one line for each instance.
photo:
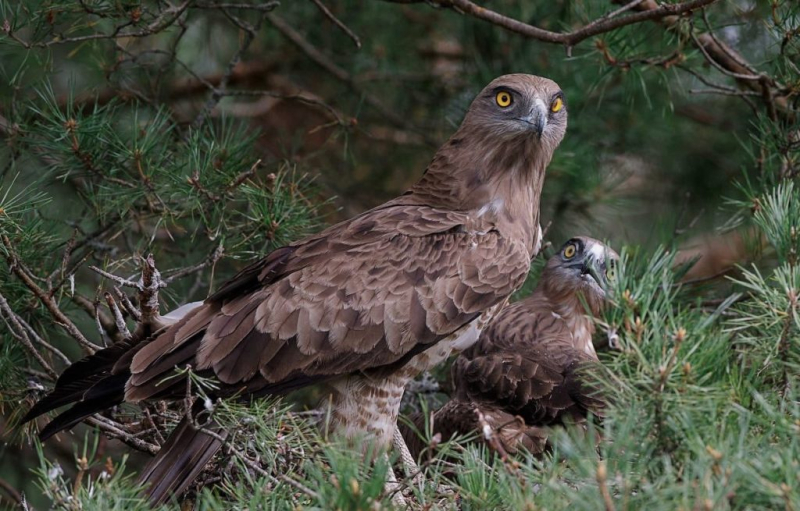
column 364, row 305
column 523, row 374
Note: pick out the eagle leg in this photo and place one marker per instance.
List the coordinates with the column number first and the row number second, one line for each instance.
column 393, row 488
column 410, row 466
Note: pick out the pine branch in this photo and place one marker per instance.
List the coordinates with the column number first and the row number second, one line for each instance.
column 569, row 39
column 60, row 318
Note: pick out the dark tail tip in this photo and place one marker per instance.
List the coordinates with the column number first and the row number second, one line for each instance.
column 180, row 461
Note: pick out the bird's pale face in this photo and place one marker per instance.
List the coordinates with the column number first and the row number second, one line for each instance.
column 521, row 105
column 584, row 265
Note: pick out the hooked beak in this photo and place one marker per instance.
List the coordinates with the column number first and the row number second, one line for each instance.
column 537, row 119
column 589, row 270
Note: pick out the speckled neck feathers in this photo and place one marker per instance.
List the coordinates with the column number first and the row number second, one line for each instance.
column 567, row 306
column 498, row 179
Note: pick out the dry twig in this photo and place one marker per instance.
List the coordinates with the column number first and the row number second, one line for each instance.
column 336, row 21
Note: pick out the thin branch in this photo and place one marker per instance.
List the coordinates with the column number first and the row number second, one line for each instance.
column 336, row 21
column 19, row 333
column 161, row 23
column 614, row 14
column 724, row 92
column 720, row 87
column 237, row 182
column 301, row 97
column 60, row 318
column 38, row 374
column 325, row 63
column 310, row 50
column 725, row 48
column 215, row 256
column 127, row 305
column 119, row 280
column 12, row 492
column 62, row 269
column 722, row 69
column 308, row 491
column 106, row 323
column 264, row 7
column 570, row 39
column 602, row 483
column 114, row 430
column 218, row 92
column 39, row 340
column 119, row 320
column 155, row 427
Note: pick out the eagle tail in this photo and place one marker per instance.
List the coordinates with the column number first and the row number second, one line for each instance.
column 90, row 383
column 181, row 459
column 91, row 374
column 107, row 392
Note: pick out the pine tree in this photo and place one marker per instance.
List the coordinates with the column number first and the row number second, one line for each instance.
column 151, row 149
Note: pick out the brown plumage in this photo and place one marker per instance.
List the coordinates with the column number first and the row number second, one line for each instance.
column 364, row 305
column 523, row 374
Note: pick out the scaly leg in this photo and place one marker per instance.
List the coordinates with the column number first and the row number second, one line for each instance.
column 409, row 464
column 393, row 487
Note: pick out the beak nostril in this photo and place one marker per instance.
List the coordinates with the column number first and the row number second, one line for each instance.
column 536, row 118
column 539, row 122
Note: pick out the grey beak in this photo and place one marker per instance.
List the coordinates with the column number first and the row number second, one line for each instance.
column 537, row 120
column 587, row 265
column 590, row 267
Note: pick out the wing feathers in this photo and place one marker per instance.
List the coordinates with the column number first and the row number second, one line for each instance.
column 342, row 301
column 524, row 363
column 191, row 324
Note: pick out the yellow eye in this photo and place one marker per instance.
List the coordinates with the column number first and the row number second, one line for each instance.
column 557, row 104
column 611, row 274
column 503, row 99
column 569, row 251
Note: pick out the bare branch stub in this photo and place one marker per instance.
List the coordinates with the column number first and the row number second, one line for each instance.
column 149, row 284
column 119, row 319
column 127, row 305
column 147, row 313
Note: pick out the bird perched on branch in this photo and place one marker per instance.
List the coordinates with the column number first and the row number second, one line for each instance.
column 364, row 305
column 524, row 373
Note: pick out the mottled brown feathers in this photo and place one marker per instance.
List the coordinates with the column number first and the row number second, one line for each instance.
column 373, row 294
column 467, row 419
column 527, row 364
column 349, row 308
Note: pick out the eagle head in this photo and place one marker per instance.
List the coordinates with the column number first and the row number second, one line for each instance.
column 521, row 105
column 583, row 266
